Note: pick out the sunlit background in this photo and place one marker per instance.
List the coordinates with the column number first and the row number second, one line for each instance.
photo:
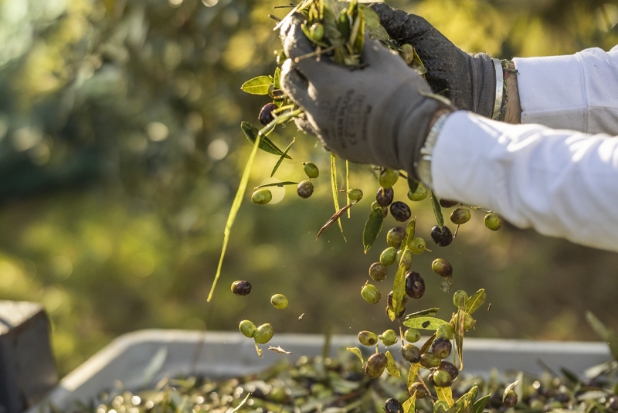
column 120, row 153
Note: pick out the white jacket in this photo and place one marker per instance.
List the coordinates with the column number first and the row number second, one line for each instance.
column 561, row 178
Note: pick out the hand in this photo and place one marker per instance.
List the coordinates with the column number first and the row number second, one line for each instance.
column 379, row 114
column 468, row 80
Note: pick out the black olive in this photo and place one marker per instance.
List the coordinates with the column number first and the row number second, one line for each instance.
column 400, row 211
column 441, row 236
column 393, row 406
column 450, row 368
column 441, row 347
column 447, row 203
column 305, row 189
column 241, row 287
column 384, row 196
column 415, row 285
column 266, row 114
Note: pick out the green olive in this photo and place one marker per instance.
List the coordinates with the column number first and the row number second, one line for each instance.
column 395, row 237
column 371, row 294
column 412, row 335
column 459, row 298
column 445, row 331
column 377, row 271
column 493, row 221
column 460, row 216
column 388, row 256
column 247, row 328
column 355, row 195
column 262, row 196
column 428, row 360
column 263, row 334
column 417, row 245
column 388, row 178
column 442, row 267
column 388, row 338
column 418, row 195
column 411, row 353
column 279, row 301
column 407, row 258
column 317, row 33
column 442, row 378
column 407, row 53
column 367, row 338
column 311, row 170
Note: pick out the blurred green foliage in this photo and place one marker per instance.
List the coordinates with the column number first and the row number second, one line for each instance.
column 120, row 153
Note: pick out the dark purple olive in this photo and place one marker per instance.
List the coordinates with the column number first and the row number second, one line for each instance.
column 447, row 203
column 375, row 365
column 415, row 285
column 400, row 211
column 241, row 287
column 441, row 348
column 393, row 406
column 411, row 353
column 377, row 271
column 441, row 236
column 419, row 389
column 384, row 196
column 450, row 368
column 305, row 189
column 510, row 399
column 266, row 114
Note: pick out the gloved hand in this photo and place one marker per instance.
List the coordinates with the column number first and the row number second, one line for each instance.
column 374, row 115
column 469, row 80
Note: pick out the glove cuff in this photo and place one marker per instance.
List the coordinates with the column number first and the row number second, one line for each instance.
column 483, row 81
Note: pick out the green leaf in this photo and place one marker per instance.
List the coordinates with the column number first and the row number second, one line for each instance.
column 414, row 368
column 347, row 184
column 606, row 334
column 242, row 187
column 417, row 65
column 399, row 290
column 445, row 394
column 282, row 183
column 479, row 405
column 437, row 209
column 372, row 24
column 282, row 157
column 373, row 227
column 335, row 188
column 410, row 231
column 424, row 323
column 277, row 78
column 391, row 367
column 428, row 312
column 251, row 133
column 475, row 301
column 258, row 85
column 356, row 351
column 409, row 406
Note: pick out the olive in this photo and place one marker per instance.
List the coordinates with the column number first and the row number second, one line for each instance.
column 388, row 256
column 447, row 203
column 412, row 335
column 367, row 338
column 311, row 170
column 493, row 221
column 377, row 271
column 419, row 389
column 393, row 406
column 263, row 334
column 411, row 353
column 388, row 338
column 266, row 113
column 375, row 365
column 247, row 328
column 428, row 360
column 384, row 196
column 316, row 31
column 241, row 287
column 417, row 245
column 441, row 347
column 261, row 196
column 355, row 195
column 305, row 189
column 510, row 398
column 459, row 298
column 279, row 301
column 415, row 285
column 406, row 51
column 442, row 267
column 389, row 304
column 388, row 178
column 400, row 211
column 395, row 237
column 404, row 257
column 450, row 368
column 442, row 378
column 440, row 406
column 418, row 195
column 460, row 216
column 371, row 294
column 441, row 236
column 612, row 403
column 445, row 331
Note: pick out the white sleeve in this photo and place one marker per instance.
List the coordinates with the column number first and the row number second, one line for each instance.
column 577, row 92
column 562, row 183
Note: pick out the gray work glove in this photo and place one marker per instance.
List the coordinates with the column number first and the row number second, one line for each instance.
column 469, row 81
column 373, row 115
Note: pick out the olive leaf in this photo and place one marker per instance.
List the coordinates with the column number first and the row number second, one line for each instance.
column 409, row 406
column 334, row 218
column 265, row 144
column 437, row 209
column 399, row 290
column 479, row 405
column 424, row 323
column 445, row 394
column 282, row 157
column 428, row 312
column 283, row 183
column 475, row 301
column 459, row 335
column 258, row 85
column 410, row 231
column 372, row 24
column 335, row 189
column 356, row 351
column 373, row 227
column 277, row 78
column 414, row 368
column 391, row 367
column 465, row 402
column 347, row 184
column 242, row 187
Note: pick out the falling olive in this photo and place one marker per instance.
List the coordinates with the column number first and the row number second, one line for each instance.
column 279, row 301
column 377, row 271
column 447, row 203
column 418, row 195
column 263, row 334
column 450, row 368
column 441, row 347
column 460, row 216
column 395, row 237
column 388, row 256
column 266, row 113
column 411, row 353
column 371, row 294
column 305, row 189
column 262, row 196
column 388, row 178
column 442, row 379
column 393, row 406
column 375, row 365
column 355, row 195
column 442, row 267
column 412, row 335
column 510, row 398
column 415, row 285
column 247, row 328
column 418, row 389
column 428, row 360
column 367, row 338
column 404, row 257
column 441, row 236
column 384, row 196
column 400, row 211
column 388, row 338
column 417, row 245
column 241, row 287
column 493, row 221
column 311, row 170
